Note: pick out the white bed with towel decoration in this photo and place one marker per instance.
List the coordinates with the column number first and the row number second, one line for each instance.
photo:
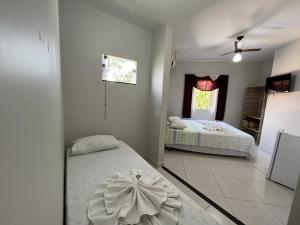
column 212, row 137
column 117, row 186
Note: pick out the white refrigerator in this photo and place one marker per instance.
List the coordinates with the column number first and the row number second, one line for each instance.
column 285, row 164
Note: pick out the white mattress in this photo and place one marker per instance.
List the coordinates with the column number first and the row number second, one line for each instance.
column 197, row 135
column 85, row 172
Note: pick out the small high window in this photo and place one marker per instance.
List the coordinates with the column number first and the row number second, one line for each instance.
column 118, row 69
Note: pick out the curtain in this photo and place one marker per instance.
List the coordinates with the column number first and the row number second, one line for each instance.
column 222, row 83
column 188, row 95
column 205, row 84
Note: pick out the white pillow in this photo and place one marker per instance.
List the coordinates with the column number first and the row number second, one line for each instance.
column 178, row 125
column 174, row 118
column 93, row 144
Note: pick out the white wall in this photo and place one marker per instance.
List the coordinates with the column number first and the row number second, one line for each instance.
column 241, row 75
column 31, row 134
column 87, row 33
column 160, row 73
column 266, row 72
column 286, row 58
column 283, row 109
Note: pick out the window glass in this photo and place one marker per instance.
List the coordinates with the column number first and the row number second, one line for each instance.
column 118, row 69
column 202, row 99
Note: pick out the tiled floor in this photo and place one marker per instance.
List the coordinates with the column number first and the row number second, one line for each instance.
column 236, row 184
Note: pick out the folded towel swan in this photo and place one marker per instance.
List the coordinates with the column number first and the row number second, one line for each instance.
column 141, row 198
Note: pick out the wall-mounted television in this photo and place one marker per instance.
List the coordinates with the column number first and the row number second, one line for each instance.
column 281, row 83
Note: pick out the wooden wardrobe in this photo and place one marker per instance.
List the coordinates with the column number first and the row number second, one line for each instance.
column 253, row 111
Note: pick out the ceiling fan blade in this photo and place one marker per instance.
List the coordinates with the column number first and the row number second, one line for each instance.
column 227, row 53
column 251, row 50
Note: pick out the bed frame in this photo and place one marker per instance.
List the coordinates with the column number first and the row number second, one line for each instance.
column 207, row 150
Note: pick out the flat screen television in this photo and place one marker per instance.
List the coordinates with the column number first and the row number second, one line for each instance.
column 281, row 83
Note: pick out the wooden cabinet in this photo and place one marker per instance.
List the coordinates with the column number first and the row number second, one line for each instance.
column 253, row 111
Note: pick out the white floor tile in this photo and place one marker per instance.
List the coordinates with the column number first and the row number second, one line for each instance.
column 281, row 212
column 193, row 155
column 259, row 161
column 222, row 169
column 216, row 158
column 180, row 173
column 273, row 193
column 205, row 183
column 196, row 165
column 221, row 201
column 192, row 195
column 243, row 162
column 237, row 189
column 174, row 163
column 250, row 173
column 263, row 163
column 219, row 217
column 252, row 213
column 264, row 154
column 173, row 153
column 241, row 186
column 168, row 176
column 263, row 170
column 183, row 188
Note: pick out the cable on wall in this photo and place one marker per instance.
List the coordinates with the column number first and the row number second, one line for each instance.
column 105, row 100
column 104, row 58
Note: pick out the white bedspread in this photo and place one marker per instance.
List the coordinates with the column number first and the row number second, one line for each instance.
column 211, row 134
column 86, row 172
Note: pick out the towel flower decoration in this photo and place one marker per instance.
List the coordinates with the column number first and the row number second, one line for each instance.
column 141, row 198
column 215, row 127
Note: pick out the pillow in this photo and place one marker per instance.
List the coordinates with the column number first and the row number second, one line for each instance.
column 174, row 118
column 178, row 125
column 93, row 144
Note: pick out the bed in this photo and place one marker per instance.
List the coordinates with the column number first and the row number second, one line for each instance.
column 211, row 137
column 85, row 172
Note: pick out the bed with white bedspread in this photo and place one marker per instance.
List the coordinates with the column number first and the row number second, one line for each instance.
column 85, row 172
column 213, row 137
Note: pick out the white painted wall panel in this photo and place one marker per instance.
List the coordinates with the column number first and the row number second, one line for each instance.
column 160, row 75
column 87, row 33
column 283, row 109
column 31, row 131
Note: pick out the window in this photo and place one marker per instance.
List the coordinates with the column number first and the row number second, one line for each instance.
column 203, row 99
column 118, row 69
column 204, row 104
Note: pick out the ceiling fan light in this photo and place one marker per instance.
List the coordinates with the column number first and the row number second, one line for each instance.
column 237, row 57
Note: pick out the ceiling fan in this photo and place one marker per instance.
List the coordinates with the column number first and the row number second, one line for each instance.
column 238, row 50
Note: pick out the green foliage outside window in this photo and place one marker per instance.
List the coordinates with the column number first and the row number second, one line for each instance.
column 202, row 99
column 118, row 69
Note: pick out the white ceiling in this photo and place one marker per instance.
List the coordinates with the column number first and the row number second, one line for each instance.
column 149, row 13
column 203, row 29
column 266, row 24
